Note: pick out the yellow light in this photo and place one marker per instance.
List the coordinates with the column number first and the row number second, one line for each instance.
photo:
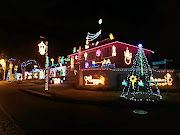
column 111, row 36
column 85, row 55
column 56, row 80
column 90, row 81
column 87, row 42
column 72, row 62
column 113, row 50
column 133, row 79
column 167, row 80
column 127, row 56
column 3, row 63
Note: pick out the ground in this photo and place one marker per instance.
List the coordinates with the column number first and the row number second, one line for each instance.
column 72, row 111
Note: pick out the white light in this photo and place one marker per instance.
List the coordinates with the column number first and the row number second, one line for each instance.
column 42, row 48
column 139, row 45
column 100, row 21
column 91, row 37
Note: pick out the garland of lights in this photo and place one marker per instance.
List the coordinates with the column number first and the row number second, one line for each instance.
column 91, row 37
column 25, row 64
column 137, row 86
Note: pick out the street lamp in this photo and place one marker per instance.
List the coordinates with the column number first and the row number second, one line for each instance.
column 3, row 63
column 43, row 49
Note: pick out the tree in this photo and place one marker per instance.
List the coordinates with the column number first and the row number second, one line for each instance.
column 137, row 86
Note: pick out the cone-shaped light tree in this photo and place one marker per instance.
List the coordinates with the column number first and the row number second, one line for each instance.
column 137, row 86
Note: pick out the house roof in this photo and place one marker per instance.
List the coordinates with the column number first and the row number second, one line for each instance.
column 117, row 42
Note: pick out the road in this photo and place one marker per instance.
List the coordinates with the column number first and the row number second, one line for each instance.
column 40, row 116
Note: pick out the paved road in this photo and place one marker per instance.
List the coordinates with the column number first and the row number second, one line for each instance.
column 40, row 116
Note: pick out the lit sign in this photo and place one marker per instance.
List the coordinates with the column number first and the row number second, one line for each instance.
column 167, row 80
column 90, row 81
column 127, row 56
column 98, row 52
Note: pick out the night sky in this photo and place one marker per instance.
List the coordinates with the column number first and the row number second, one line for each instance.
column 65, row 24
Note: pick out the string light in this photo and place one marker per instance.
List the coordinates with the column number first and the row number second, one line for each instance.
column 91, row 37
column 135, row 89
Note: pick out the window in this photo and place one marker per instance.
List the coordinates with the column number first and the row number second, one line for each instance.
column 106, row 52
column 91, row 55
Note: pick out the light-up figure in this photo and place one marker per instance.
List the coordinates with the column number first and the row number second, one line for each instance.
column 85, row 55
column 86, row 64
column 127, row 56
column 98, row 52
column 90, row 81
column 133, row 79
column 113, row 50
column 124, row 82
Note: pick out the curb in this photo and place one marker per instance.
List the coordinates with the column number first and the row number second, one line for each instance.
column 37, row 93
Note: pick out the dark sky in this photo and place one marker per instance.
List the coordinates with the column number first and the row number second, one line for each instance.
column 65, row 24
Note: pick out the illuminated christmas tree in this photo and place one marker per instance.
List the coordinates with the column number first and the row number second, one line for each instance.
column 137, row 86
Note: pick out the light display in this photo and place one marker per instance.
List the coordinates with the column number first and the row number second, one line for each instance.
column 124, row 82
column 57, row 80
column 133, row 79
column 79, row 53
column 113, row 50
column 72, row 62
column 98, row 52
column 100, row 21
column 138, row 86
column 52, row 61
column 111, row 36
column 76, row 57
column 25, row 64
column 127, row 69
column 91, row 37
column 3, row 63
column 93, row 63
column 86, row 65
column 74, row 50
column 140, row 83
column 86, row 46
column 108, row 61
column 42, row 48
column 85, row 55
column 127, row 56
column 90, row 81
column 167, row 80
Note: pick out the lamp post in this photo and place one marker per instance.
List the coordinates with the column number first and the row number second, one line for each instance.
column 43, row 49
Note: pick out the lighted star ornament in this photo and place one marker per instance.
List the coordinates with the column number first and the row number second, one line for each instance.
column 133, row 79
column 127, row 56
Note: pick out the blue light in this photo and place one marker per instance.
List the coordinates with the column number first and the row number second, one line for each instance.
column 140, row 45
